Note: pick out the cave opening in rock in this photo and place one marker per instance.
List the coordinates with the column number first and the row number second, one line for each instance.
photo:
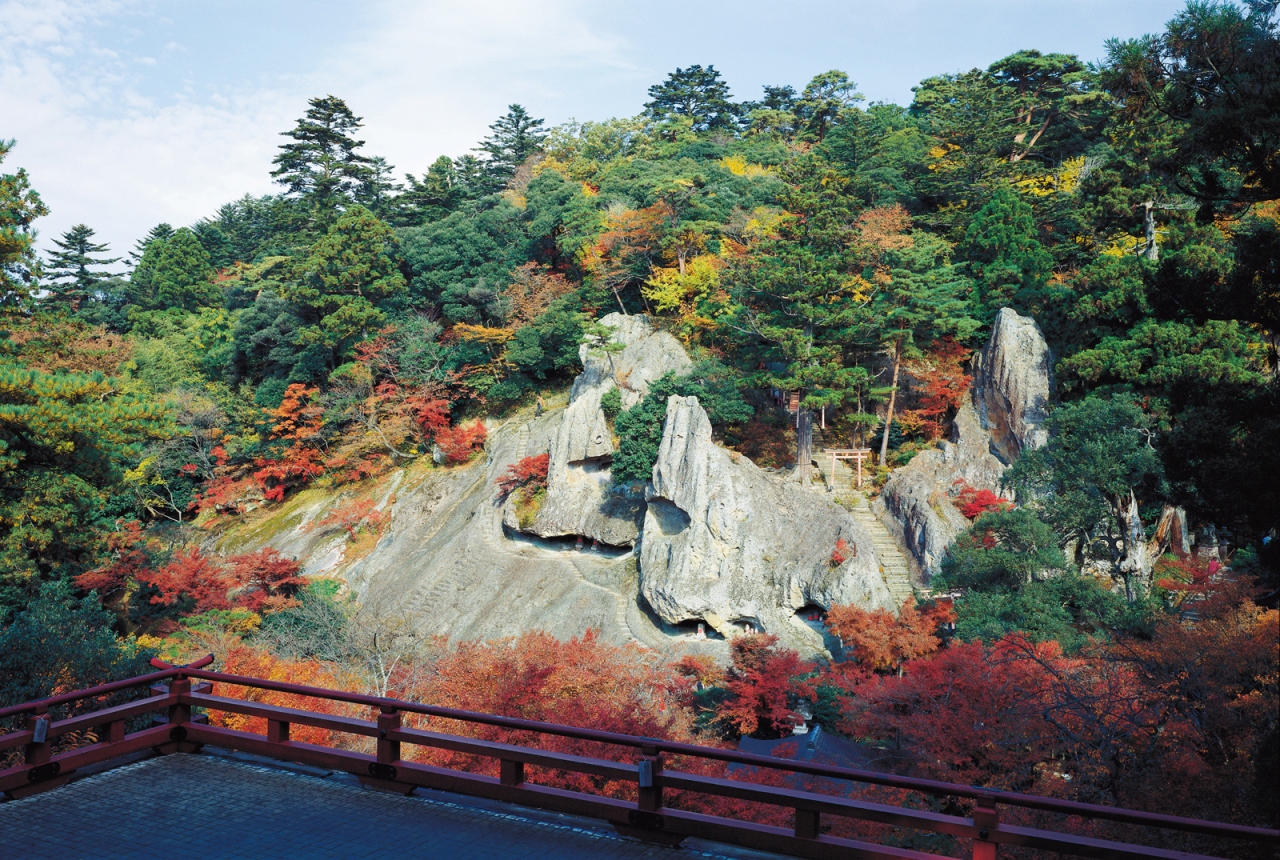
column 697, row 628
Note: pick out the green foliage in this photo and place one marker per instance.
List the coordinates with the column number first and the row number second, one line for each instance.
column 343, row 280
column 1068, row 608
column 174, row 273
column 512, row 139
column 639, row 429
column 1002, row 550
column 58, row 642
column 1098, row 454
column 64, row 441
column 695, row 93
column 71, row 279
column 611, row 403
column 1010, row 265
column 321, row 165
column 20, row 205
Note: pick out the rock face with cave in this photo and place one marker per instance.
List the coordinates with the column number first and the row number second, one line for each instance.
column 578, row 501
column 728, row 543
column 1003, row 416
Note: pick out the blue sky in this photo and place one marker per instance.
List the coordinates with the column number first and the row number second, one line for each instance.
column 132, row 112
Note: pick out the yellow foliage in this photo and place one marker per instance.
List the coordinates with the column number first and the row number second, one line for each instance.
column 859, row 288
column 588, row 190
column 670, row 290
column 482, row 334
column 1121, row 245
column 763, row 223
column 738, row 166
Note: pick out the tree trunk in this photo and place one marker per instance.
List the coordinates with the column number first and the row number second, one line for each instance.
column 804, row 445
column 893, row 398
column 1152, row 250
column 1136, row 563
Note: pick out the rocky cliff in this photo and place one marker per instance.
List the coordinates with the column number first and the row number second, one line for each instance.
column 1003, row 416
column 577, row 500
column 729, row 544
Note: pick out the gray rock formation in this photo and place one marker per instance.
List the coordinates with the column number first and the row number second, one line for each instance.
column 577, row 501
column 1004, row 416
column 1012, row 385
column 727, row 543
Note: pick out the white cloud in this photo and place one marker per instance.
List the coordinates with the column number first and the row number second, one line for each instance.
column 121, row 153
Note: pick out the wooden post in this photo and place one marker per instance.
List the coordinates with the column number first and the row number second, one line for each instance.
column 650, row 799
column 986, row 819
column 807, row 821
column 388, row 750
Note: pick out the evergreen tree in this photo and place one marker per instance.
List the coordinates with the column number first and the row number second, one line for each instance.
column 512, row 139
column 432, row 197
column 174, row 273
column 1008, row 261
column 72, row 280
column 161, row 232
column 19, row 207
column 823, row 99
column 322, row 165
column 697, row 93
column 346, row 275
column 379, row 192
column 64, row 441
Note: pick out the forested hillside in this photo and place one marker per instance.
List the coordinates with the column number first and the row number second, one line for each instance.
column 363, row 319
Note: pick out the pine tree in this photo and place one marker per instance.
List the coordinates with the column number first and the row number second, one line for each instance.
column 823, row 99
column 174, row 273
column 72, row 280
column 161, row 232
column 512, row 139
column 1010, row 264
column 19, row 207
column 322, row 164
column 697, row 93
column 347, row 274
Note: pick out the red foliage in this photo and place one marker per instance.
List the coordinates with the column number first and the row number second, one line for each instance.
column 350, row 517
column 132, row 552
column 973, row 502
column 941, row 382
column 883, row 643
column 531, row 473
column 193, row 575
column 298, row 421
column 843, row 552
column 460, row 443
column 767, row 445
column 764, row 682
column 264, row 579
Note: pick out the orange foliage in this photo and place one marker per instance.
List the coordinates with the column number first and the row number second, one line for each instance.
column 255, row 663
column 132, row 552
column 530, row 473
column 299, row 420
column 532, row 290
column 843, row 552
column 883, row 643
column 350, row 517
column 461, row 443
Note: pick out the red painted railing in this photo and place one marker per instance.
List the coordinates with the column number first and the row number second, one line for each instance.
column 646, row 817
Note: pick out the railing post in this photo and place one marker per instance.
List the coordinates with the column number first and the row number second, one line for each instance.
column 113, row 732
column 510, row 772
column 650, row 798
column 179, row 714
column 807, row 821
column 277, row 731
column 388, row 750
column 986, row 819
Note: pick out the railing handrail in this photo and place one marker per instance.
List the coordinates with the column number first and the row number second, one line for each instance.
column 1048, row 804
column 651, row 746
column 89, row 693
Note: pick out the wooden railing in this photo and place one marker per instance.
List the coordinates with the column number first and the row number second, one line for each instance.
column 174, row 696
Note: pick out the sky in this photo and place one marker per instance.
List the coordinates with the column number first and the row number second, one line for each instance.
column 127, row 113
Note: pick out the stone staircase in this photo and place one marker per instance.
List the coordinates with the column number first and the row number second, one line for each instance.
column 893, row 564
column 522, row 442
